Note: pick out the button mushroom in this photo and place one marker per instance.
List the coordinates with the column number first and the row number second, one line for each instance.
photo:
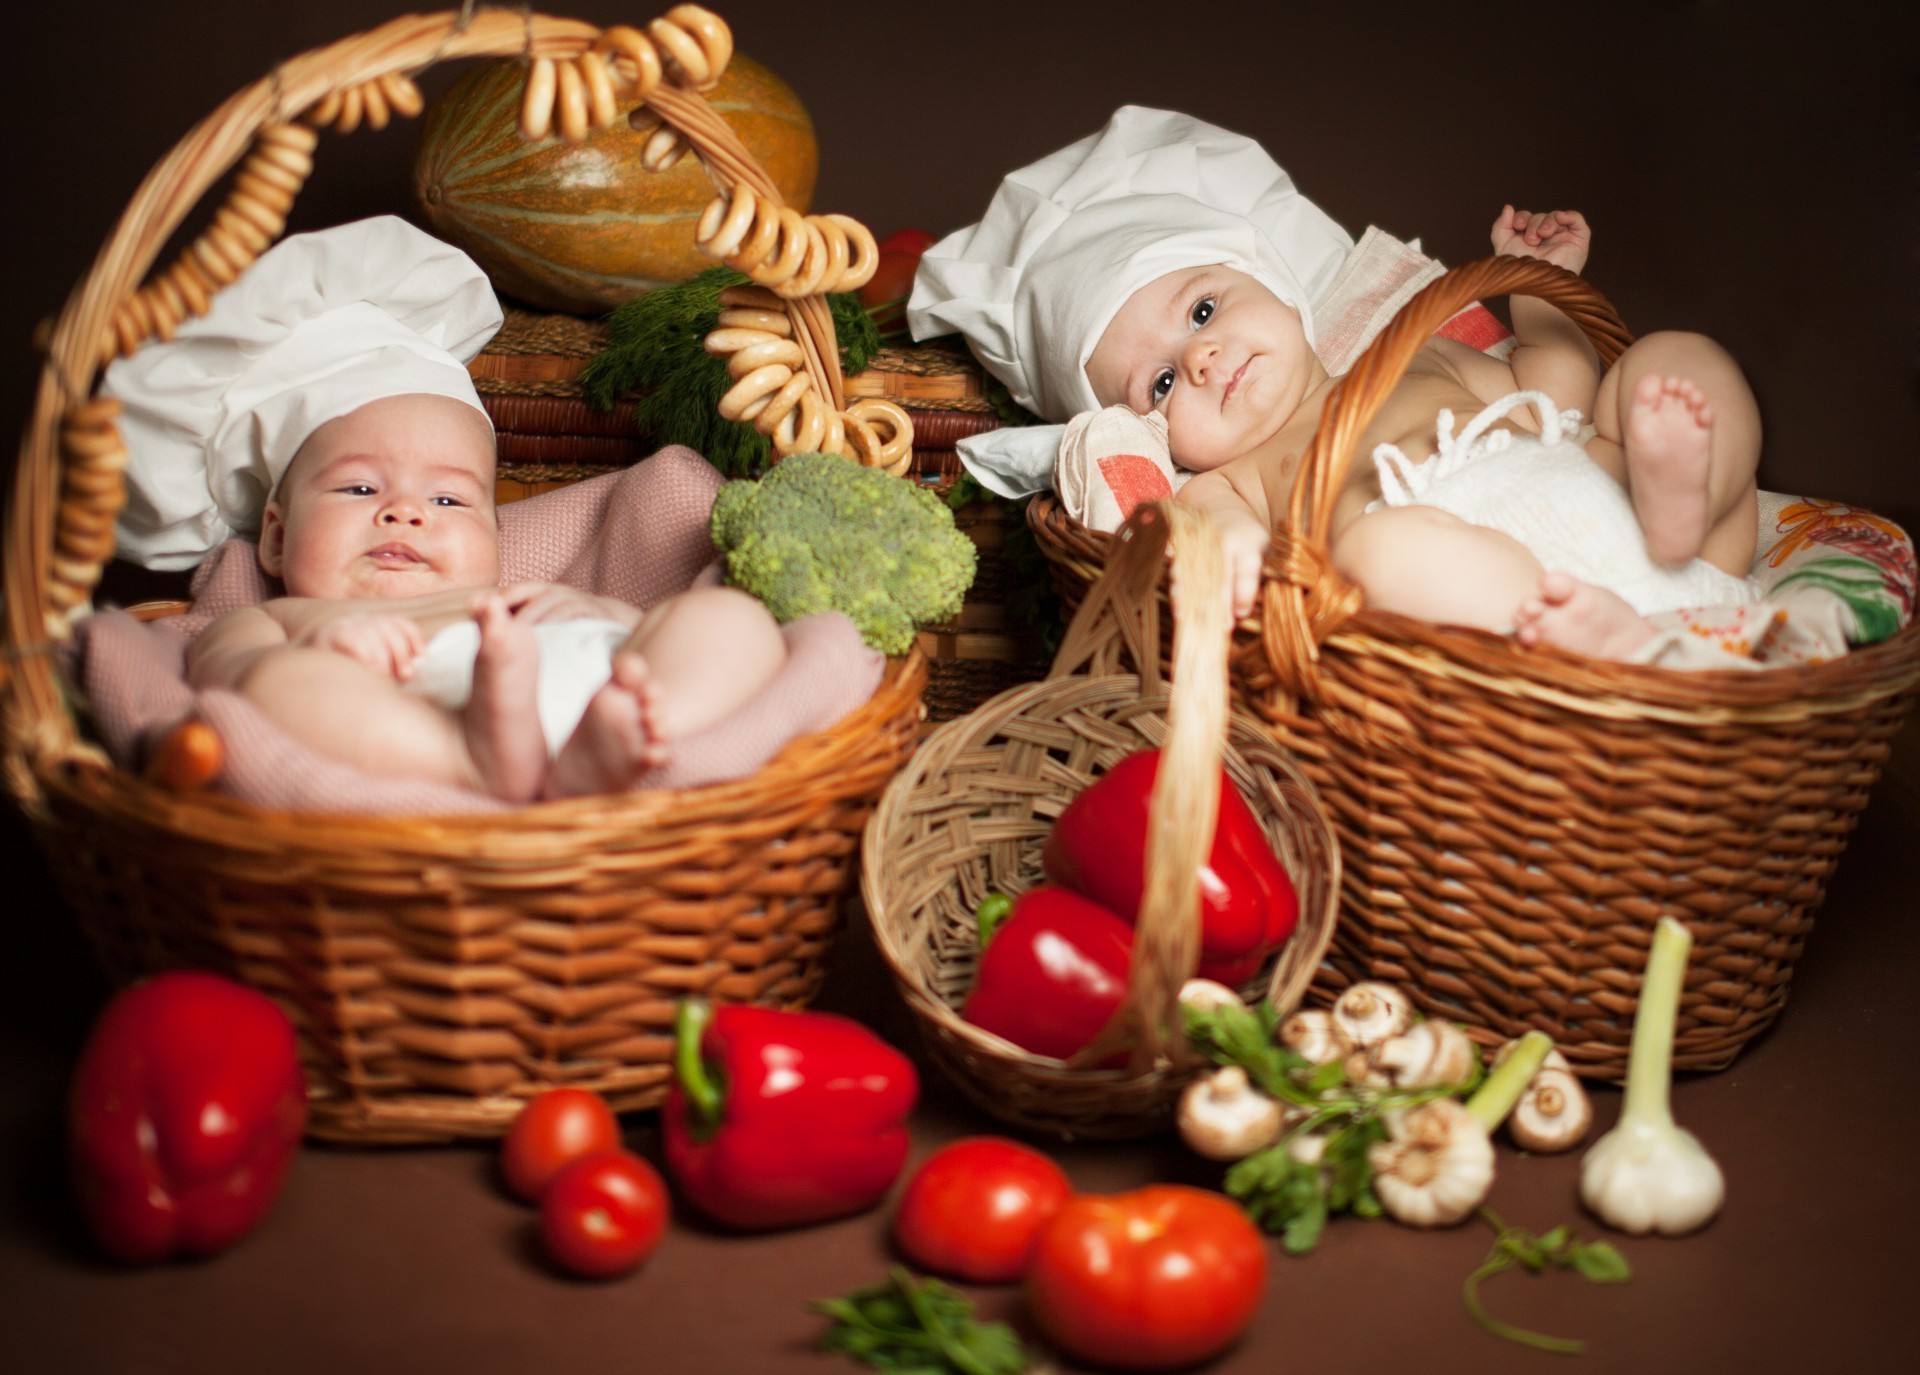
column 1427, row 1054
column 1223, row 1117
column 1369, row 1013
column 1554, row 1114
column 1312, row 1035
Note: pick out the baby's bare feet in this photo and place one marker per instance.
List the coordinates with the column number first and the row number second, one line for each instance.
column 502, row 719
column 1580, row 617
column 619, row 738
column 1669, row 427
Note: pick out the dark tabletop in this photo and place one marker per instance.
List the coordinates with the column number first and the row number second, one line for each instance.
column 1749, row 171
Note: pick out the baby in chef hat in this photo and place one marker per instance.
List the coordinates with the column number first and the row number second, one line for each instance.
column 323, row 405
column 1170, row 268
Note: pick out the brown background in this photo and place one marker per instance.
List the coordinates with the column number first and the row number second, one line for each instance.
column 1749, row 171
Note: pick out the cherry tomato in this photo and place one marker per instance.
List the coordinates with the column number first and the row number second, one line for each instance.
column 892, row 280
column 551, row 1132
column 1149, row 1280
column 914, row 241
column 973, row 1208
column 604, row 1215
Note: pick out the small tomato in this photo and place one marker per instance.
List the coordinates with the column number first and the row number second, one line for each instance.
column 892, row 281
column 604, row 1215
column 973, row 1208
column 1149, row 1280
column 552, row 1131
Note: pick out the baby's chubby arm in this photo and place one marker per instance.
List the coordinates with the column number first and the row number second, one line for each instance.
column 1550, row 353
column 1244, row 534
column 383, row 636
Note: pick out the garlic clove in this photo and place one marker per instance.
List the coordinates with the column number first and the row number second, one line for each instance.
column 1223, row 1117
column 1436, row 1165
column 1312, row 1035
column 1369, row 1013
column 1554, row 1114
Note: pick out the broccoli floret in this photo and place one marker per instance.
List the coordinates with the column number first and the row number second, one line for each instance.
column 822, row 533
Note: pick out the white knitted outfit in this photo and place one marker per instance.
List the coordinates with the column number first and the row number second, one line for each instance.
column 576, row 660
column 1548, row 494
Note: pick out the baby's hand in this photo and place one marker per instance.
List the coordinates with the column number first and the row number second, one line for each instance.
column 389, row 644
column 1243, row 542
column 535, row 602
column 1560, row 237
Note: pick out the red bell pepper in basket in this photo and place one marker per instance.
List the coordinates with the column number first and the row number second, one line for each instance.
column 186, row 1110
column 1248, row 906
column 1053, row 972
column 778, row 1119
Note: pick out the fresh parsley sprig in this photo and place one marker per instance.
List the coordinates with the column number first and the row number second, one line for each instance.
column 920, row 1327
column 1319, row 1165
column 1597, row 1260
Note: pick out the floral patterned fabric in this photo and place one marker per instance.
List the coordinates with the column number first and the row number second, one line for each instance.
column 1836, row 576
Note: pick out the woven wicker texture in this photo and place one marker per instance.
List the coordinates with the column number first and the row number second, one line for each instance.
column 971, row 812
column 1513, row 821
column 440, row 969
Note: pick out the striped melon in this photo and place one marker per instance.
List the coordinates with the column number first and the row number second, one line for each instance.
column 583, row 227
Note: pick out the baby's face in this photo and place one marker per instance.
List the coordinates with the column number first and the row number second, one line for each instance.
column 391, row 500
column 1218, row 353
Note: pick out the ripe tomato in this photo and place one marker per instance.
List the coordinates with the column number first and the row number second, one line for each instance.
column 603, row 1215
column 552, row 1131
column 892, row 280
column 974, row 1207
column 1160, row 1277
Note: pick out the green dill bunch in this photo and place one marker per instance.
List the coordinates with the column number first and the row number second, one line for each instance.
column 821, row 533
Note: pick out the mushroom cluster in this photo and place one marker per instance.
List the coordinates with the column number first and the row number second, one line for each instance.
column 1371, row 1056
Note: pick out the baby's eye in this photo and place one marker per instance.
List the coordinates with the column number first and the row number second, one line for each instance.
column 1202, row 311
column 1162, row 384
column 358, row 489
column 448, row 501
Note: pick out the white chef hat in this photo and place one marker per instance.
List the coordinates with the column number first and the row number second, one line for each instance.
column 1068, row 239
column 319, row 326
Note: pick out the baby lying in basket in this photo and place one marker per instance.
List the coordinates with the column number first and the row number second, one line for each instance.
column 1169, row 267
column 326, row 404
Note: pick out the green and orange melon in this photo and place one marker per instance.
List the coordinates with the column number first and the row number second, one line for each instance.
column 584, row 227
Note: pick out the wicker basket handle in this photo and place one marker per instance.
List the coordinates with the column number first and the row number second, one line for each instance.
column 1306, row 599
column 70, row 482
column 1118, row 624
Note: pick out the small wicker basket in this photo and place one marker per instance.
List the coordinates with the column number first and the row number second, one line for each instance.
column 1513, row 821
column 971, row 812
column 440, row 970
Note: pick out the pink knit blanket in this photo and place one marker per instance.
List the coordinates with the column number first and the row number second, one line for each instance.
column 639, row 535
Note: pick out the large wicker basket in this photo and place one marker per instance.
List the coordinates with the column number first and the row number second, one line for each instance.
column 439, row 969
column 972, row 810
column 1514, row 821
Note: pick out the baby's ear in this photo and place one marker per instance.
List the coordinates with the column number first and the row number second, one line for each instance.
column 273, row 540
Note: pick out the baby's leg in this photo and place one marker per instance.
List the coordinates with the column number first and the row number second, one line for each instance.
column 1424, row 562
column 502, row 717
column 340, row 708
column 1679, row 428
column 693, row 661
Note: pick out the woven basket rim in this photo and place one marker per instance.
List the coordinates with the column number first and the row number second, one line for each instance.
column 1591, row 687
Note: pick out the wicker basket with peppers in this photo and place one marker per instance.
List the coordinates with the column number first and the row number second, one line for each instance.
column 975, row 809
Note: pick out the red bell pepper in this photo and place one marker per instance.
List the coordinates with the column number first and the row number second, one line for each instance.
column 1248, row 906
column 1052, row 974
column 778, row 1119
column 186, row 1109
